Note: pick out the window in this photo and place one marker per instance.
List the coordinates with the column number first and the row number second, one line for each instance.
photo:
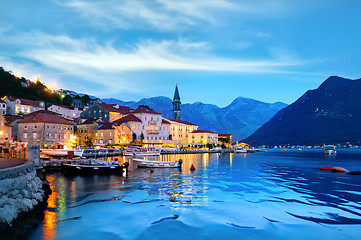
column 34, row 135
column 25, row 135
column 133, row 127
column 138, row 127
column 25, row 127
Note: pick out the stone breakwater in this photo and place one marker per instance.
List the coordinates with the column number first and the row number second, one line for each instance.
column 20, row 191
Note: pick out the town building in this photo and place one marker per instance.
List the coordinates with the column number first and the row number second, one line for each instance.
column 113, row 133
column 176, row 105
column 148, row 125
column 68, row 112
column 19, row 106
column 5, row 129
column 203, row 136
column 2, row 107
column 12, row 120
column 225, row 138
column 86, row 131
column 46, row 129
column 105, row 112
column 180, row 130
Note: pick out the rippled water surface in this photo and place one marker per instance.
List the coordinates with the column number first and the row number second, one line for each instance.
column 266, row 195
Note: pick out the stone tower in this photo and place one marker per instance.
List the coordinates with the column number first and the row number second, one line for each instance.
column 176, row 105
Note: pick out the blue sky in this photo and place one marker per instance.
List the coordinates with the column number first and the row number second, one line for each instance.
column 215, row 50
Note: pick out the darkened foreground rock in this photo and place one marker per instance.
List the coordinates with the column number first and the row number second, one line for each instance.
column 329, row 114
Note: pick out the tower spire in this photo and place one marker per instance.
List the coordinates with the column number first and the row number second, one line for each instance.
column 176, row 104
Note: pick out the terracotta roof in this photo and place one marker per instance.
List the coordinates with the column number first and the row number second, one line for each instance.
column 202, row 131
column 165, row 122
column 26, row 101
column 112, row 108
column 48, row 118
column 145, row 110
column 67, row 107
column 11, row 118
column 106, row 126
column 224, row 134
column 180, row 121
column 42, row 112
column 128, row 118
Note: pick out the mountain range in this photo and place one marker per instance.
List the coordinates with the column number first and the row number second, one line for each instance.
column 329, row 114
column 240, row 118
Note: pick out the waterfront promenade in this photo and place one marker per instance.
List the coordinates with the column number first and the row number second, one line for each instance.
column 10, row 162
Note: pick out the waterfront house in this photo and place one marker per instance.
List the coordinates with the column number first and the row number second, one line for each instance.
column 19, row 106
column 225, row 138
column 149, row 126
column 180, row 130
column 46, row 129
column 2, row 107
column 105, row 112
column 113, row 133
column 5, row 129
column 203, row 136
column 12, row 120
column 86, row 130
column 68, row 112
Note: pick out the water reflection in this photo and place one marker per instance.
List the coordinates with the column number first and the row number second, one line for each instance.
column 229, row 192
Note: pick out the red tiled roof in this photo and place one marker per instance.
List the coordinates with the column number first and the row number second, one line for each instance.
column 165, row 122
column 106, row 126
column 2, row 101
column 224, row 134
column 112, row 108
column 42, row 112
column 128, row 118
column 202, row 131
column 48, row 118
column 90, row 121
column 11, row 118
column 180, row 121
column 145, row 110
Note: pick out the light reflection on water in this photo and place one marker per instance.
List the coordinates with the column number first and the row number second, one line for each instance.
column 271, row 195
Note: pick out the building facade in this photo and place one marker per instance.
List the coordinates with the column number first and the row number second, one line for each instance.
column 2, row 107
column 67, row 112
column 86, row 131
column 113, row 133
column 180, row 130
column 105, row 112
column 203, row 136
column 46, row 130
column 18, row 106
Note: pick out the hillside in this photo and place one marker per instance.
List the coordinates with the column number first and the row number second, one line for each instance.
column 329, row 114
column 241, row 118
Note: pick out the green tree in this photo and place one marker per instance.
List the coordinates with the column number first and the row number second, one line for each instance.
column 170, row 137
column 67, row 100
column 142, row 137
column 88, row 143
column 134, row 137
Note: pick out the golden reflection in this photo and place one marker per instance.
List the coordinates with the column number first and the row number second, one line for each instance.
column 231, row 159
column 205, row 159
column 50, row 219
column 61, row 198
column 73, row 191
column 52, row 197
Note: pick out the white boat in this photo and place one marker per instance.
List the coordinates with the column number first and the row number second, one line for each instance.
column 330, row 149
column 61, row 152
column 239, row 149
column 157, row 164
column 141, row 151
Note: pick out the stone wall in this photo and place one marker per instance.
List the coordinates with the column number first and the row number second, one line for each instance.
column 20, row 191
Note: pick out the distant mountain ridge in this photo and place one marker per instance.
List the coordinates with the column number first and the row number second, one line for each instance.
column 241, row 118
column 329, row 114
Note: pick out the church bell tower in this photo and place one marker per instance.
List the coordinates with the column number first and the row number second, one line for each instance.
column 176, row 105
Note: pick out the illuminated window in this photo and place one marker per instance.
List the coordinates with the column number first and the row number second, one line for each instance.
column 133, row 127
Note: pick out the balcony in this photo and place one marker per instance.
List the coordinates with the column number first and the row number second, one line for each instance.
column 153, row 132
column 151, row 122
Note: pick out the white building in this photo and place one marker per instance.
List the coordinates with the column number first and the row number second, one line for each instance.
column 2, row 107
column 16, row 106
column 180, row 130
column 203, row 136
column 67, row 112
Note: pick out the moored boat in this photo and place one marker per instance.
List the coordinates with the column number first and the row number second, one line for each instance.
column 94, row 167
column 61, row 152
column 141, row 151
column 330, row 150
column 157, row 164
column 239, row 149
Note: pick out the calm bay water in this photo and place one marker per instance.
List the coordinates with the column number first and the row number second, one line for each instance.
column 267, row 195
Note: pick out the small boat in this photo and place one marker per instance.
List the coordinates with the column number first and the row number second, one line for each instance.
column 141, row 151
column 327, row 168
column 240, row 149
column 339, row 169
column 157, row 164
column 94, row 167
column 61, row 152
column 330, row 150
